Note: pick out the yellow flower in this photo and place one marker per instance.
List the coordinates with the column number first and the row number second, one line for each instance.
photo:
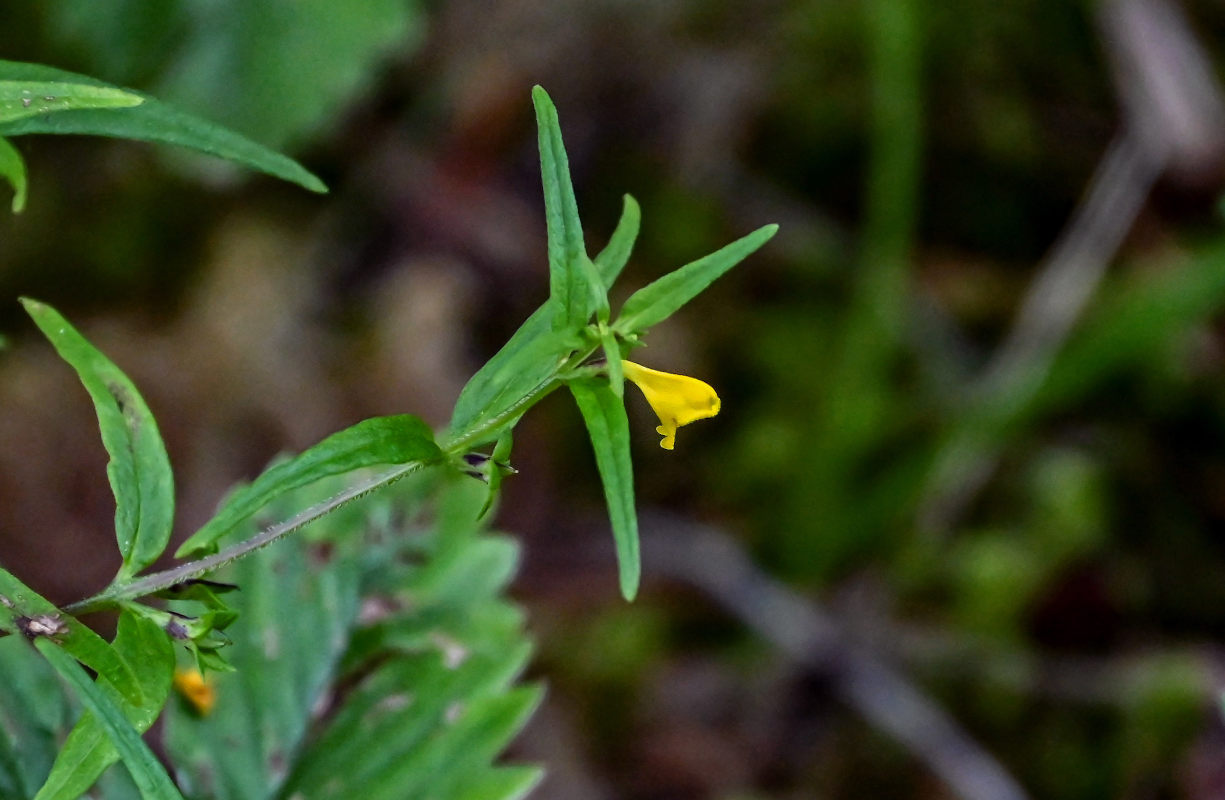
column 197, row 691
column 677, row 399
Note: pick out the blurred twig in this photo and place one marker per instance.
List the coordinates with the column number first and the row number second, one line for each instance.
column 1174, row 118
column 712, row 562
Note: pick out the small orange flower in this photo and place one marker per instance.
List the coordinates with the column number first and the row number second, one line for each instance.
column 196, row 690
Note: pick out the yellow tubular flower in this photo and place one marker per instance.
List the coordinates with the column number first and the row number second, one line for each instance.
column 198, row 692
column 677, row 399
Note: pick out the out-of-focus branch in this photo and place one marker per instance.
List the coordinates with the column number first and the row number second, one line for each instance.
column 1174, row 122
column 715, row 565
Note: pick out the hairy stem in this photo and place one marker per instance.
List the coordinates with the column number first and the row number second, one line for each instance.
column 158, row 581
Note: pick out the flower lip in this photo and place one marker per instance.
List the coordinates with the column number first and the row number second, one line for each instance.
column 676, row 399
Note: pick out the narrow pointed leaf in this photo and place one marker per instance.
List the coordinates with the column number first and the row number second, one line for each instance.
column 89, row 749
column 13, row 170
column 526, row 361
column 21, row 99
column 17, row 601
column 34, row 714
column 570, row 289
column 379, row 440
column 139, row 470
column 150, row 121
column 502, row 783
column 616, row 254
column 146, row 770
column 657, row 301
column 608, row 426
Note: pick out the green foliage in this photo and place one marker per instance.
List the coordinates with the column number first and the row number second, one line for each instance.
column 139, row 469
column 93, row 743
column 571, row 289
column 274, row 71
column 399, row 632
column 22, row 99
column 13, row 170
column 20, row 606
column 35, row 715
column 436, row 634
column 150, row 121
column 146, row 770
column 381, row 440
column 657, row 301
column 608, row 426
column 556, row 341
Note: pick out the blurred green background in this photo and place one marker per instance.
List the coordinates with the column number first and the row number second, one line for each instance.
column 1034, row 544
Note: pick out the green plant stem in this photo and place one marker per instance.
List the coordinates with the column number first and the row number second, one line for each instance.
column 158, row 581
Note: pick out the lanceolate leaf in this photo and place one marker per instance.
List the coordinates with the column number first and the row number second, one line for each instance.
column 608, row 426
column 613, row 258
column 424, row 672
column 531, row 355
column 13, row 170
column 19, row 604
column 89, row 749
column 659, row 300
column 527, row 358
column 379, row 440
column 34, row 714
column 21, row 99
column 150, row 121
column 139, row 469
column 146, row 770
column 570, row 288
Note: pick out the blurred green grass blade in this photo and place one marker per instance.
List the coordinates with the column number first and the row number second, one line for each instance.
column 608, row 426
column 476, row 730
column 151, row 121
column 380, row 440
column 13, row 170
column 34, row 714
column 21, row 99
column 12, row 776
column 89, row 748
column 570, row 286
column 76, row 639
column 345, row 762
column 616, row 254
column 1134, row 323
column 295, row 609
column 146, row 770
column 278, row 72
column 139, row 469
column 658, row 300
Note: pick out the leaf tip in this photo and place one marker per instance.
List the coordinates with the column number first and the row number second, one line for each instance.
column 629, row 582
column 312, row 183
column 542, row 102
